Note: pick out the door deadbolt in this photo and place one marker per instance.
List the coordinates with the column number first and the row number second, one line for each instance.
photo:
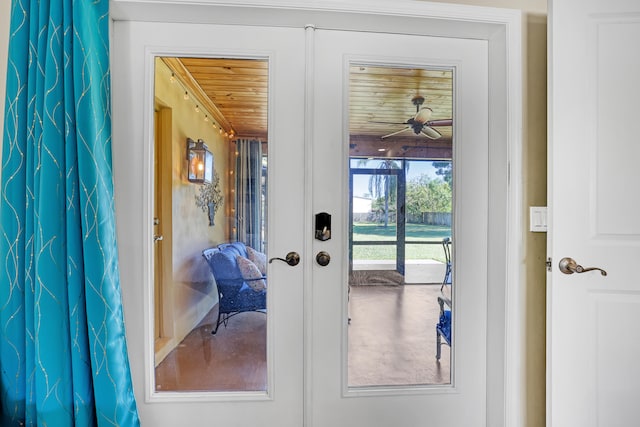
column 323, row 258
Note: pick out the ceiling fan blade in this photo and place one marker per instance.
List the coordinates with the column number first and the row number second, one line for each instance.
column 443, row 122
column 430, row 133
column 389, row 123
column 395, row 133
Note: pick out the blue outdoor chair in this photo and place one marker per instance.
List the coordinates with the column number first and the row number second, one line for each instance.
column 443, row 327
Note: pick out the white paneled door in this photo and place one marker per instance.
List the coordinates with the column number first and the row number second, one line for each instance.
column 308, row 173
column 593, row 318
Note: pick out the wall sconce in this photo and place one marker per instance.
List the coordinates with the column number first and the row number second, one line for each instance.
column 200, row 162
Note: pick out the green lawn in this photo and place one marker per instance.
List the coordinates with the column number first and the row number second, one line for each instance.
column 414, row 232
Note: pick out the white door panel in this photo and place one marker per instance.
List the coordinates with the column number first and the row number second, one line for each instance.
column 593, row 376
column 140, row 43
column 332, row 401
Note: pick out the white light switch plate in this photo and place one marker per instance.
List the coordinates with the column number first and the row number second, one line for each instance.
column 538, row 218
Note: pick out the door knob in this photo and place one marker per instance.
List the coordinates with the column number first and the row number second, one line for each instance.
column 292, row 259
column 569, row 266
column 323, row 258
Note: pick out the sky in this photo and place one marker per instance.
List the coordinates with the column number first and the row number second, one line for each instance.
column 416, row 168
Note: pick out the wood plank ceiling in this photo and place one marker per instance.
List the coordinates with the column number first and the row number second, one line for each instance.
column 235, row 91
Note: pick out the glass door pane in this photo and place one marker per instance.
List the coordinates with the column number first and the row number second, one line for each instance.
column 211, row 292
column 401, row 193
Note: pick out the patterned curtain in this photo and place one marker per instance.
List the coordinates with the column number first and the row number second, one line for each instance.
column 63, row 355
column 249, row 192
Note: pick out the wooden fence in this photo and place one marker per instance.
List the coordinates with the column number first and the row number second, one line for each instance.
column 430, row 218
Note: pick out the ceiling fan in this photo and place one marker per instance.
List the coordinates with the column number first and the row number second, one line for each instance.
column 420, row 123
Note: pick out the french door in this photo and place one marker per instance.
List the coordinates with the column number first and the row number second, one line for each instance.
column 281, row 402
column 307, row 316
column 333, row 400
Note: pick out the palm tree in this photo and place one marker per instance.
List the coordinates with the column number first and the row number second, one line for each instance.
column 380, row 185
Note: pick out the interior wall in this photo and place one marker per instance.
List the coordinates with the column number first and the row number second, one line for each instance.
column 535, row 244
column 534, row 162
column 193, row 292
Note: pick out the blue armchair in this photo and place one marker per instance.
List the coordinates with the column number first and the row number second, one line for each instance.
column 235, row 292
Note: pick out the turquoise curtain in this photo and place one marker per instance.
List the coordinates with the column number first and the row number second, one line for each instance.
column 63, row 355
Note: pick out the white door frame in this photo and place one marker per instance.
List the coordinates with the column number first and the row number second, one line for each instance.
column 501, row 28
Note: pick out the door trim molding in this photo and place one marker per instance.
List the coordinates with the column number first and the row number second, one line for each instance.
column 502, row 29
